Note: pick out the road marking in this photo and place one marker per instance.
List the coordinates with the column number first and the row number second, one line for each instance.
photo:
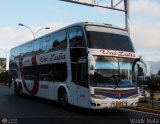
column 140, row 111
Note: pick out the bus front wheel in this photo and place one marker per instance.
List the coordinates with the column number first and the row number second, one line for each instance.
column 63, row 99
column 18, row 89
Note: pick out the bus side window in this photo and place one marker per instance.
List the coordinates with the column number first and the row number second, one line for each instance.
column 77, row 43
column 23, row 50
column 60, row 73
column 76, row 53
column 44, row 72
column 36, row 45
column 15, row 52
column 76, row 37
column 58, row 41
column 27, row 72
column 43, row 45
column 31, row 72
column 28, row 48
column 49, row 42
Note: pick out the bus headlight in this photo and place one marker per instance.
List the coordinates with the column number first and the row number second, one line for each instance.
column 134, row 96
column 97, row 96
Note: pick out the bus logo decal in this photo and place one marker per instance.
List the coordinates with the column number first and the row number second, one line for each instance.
column 118, row 53
column 36, row 82
column 52, row 57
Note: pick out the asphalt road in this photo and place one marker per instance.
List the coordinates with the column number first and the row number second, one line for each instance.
column 36, row 110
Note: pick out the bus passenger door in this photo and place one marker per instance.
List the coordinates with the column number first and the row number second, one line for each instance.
column 82, row 83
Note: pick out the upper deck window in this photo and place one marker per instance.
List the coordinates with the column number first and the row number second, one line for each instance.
column 57, row 41
column 108, row 38
column 76, row 37
column 60, row 40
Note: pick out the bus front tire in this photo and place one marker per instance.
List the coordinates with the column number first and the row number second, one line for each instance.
column 63, row 99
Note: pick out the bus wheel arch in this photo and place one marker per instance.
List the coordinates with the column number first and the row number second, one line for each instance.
column 62, row 96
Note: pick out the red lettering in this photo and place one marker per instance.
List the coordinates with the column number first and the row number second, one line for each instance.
column 118, row 53
column 121, row 54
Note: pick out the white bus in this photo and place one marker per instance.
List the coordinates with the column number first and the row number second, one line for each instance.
column 86, row 64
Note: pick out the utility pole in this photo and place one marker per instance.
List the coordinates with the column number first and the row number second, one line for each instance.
column 108, row 4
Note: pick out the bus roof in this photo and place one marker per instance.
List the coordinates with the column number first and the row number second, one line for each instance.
column 83, row 24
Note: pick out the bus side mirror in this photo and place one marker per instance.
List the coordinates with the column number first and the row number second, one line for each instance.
column 147, row 72
column 91, row 70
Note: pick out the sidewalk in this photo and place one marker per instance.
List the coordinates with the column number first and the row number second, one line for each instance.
column 147, row 107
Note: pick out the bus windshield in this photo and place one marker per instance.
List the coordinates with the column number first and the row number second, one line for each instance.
column 113, row 72
column 105, row 38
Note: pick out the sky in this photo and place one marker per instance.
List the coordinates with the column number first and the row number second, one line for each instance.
column 144, row 22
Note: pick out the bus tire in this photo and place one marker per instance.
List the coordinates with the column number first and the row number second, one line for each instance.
column 63, row 98
column 20, row 90
column 15, row 89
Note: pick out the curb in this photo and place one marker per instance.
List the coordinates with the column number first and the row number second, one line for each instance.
column 144, row 110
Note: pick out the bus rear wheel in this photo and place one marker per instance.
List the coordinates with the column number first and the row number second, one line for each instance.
column 20, row 90
column 15, row 89
column 63, row 99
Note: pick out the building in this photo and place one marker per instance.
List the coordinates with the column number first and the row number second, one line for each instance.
column 2, row 65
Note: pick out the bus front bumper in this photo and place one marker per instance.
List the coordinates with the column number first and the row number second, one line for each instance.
column 113, row 103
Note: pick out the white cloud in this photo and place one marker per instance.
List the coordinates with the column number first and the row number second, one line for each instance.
column 145, row 26
column 145, row 35
column 149, row 54
column 7, row 33
column 10, row 38
column 146, row 7
column 53, row 26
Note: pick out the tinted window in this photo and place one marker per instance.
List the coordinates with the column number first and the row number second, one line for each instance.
column 104, row 40
column 51, row 72
column 58, row 41
column 43, row 44
column 28, row 48
column 36, row 45
column 49, row 42
column 76, row 53
column 27, row 71
column 76, row 37
column 14, row 53
column 31, row 72
column 59, row 71
column 45, row 72
column 22, row 49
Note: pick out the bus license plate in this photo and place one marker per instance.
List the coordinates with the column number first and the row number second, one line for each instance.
column 119, row 104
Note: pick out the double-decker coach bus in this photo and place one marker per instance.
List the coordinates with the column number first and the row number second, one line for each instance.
column 85, row 64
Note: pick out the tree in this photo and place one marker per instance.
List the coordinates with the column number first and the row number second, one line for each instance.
column 2, row 66
column 153, row 86
column 4, row 77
